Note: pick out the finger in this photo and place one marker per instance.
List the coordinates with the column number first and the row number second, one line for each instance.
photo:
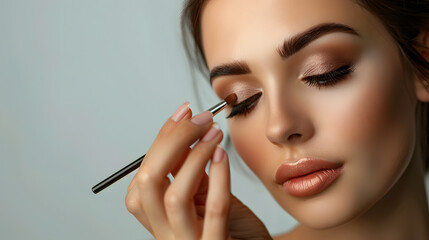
column 219, row 197
column 161, row 158
column 201, row 195
column 174, row 171
column 166, row 149
column 182, row 113
column 179, row 198
column 142, row 184
column 193, row 168
column 134, row 205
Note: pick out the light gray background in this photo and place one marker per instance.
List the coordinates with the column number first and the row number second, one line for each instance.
column 84, row 87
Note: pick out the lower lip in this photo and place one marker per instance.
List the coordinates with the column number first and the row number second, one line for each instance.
column 312, row 183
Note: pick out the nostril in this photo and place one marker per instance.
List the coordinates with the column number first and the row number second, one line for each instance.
column 294, row 137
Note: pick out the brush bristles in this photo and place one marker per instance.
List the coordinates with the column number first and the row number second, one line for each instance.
column 231, row 98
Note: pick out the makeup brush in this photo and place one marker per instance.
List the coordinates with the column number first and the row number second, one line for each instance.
column 230, row 99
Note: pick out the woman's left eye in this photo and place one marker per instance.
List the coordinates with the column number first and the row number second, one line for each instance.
column 330, row 78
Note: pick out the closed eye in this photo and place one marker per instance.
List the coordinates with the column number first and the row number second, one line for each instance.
column 245, row 107
column 330, row 78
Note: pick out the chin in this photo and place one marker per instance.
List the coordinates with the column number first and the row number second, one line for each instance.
column 345, row 201
column 327, row 209
column 324, row 217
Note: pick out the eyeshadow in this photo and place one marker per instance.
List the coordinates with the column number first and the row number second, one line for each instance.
column 242, row 89
column 322, row 63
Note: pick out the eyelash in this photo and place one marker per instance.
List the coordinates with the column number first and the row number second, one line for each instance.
column 320, row 81
column 245, row 107
column 330, row 78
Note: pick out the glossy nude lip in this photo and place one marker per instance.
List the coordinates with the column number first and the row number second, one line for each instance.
column 307, row 177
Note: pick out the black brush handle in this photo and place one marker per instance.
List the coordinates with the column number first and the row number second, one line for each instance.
column 230, row 99
column 117, row 175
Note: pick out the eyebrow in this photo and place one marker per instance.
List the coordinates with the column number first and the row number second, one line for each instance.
column 233, row 68
column 299, row 41
column 289, row 47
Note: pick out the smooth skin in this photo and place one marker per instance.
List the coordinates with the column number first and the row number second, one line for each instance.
column 194, row 205
column 365, row 121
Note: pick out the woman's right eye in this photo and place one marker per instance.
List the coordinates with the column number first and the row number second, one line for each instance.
column 245, row 107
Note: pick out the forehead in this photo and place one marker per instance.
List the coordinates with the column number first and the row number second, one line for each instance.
column 241, row 29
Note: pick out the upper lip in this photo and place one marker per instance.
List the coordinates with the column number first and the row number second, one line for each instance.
column 303, row 167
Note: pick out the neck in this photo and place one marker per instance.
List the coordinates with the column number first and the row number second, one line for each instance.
column 401, row 214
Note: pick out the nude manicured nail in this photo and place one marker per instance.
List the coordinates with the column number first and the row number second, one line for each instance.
column 202, row 118
column 211, row 134
column 180, row 112
column 219, row 154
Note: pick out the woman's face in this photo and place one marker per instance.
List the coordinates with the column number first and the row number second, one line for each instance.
column 340, row 95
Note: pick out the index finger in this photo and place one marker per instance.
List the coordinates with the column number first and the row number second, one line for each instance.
column 167, row 149
column 183, row 112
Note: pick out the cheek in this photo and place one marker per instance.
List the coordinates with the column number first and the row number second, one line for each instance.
column 370, row 126
column 248, row 138
column 368, row 123
column 374, row 121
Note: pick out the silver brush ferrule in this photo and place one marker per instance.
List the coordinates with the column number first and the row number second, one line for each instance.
column 217, row 108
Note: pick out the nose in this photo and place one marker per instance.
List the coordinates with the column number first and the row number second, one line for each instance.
column 288, row 124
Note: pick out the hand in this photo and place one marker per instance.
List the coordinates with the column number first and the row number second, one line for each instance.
column 187, row 208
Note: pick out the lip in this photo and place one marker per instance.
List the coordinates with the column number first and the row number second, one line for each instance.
column 307, row 177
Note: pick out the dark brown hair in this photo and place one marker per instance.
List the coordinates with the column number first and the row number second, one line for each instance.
column 403, row 19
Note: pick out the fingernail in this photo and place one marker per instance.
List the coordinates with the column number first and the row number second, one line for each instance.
column 202, row 118
column 211, row 134
column 180, row 112
column 219, row 154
